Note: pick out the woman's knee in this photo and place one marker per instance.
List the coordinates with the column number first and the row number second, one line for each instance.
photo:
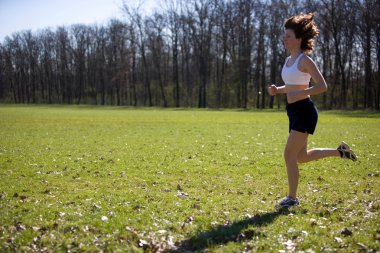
column 295, row 145
column 289, row 153
column 302, row 158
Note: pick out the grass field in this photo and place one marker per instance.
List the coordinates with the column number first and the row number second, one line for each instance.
column 113, row 179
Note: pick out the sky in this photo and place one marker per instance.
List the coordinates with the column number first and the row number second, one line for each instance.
column 19, row 15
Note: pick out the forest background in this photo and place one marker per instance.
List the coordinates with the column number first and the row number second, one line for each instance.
column 197, row 53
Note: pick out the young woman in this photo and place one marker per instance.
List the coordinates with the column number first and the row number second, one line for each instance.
column 299, row 68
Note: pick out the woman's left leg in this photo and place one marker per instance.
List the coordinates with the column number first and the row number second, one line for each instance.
column 305, row 155
column 296, row 143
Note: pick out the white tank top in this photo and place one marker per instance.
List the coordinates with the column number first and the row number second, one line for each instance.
column 292, row 75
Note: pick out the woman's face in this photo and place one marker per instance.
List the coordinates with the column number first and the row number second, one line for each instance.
column 290, row 40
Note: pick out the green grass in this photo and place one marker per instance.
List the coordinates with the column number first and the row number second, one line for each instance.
column 118, row 179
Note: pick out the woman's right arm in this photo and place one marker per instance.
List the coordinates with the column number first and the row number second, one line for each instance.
column 274, row 90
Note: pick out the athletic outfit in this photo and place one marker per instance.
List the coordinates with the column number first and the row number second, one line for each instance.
column 303, row 114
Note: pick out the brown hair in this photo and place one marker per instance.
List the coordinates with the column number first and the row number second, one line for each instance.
column 304, row 28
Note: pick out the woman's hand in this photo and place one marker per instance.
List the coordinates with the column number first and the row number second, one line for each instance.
column 272, row 90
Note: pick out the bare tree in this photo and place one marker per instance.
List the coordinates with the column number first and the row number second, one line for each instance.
column 223, row 17
column 365, row 31
column 376, row 37
column 201, row 25
column 48, row 82
column 2, row 74
column 137, row 20
column 156, row 44
column 173, row 17
column 133, row 60
column 63, row 57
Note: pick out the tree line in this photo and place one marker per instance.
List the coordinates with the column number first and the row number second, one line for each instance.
column 194, row 53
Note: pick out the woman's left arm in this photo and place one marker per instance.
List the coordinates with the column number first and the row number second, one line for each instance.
column 320, row 86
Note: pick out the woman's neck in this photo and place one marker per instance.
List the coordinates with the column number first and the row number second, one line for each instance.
column 295, row 53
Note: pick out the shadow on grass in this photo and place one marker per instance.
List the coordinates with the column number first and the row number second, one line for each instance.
column 234, row 232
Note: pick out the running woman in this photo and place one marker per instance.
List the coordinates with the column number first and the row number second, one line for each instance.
column 299, row 68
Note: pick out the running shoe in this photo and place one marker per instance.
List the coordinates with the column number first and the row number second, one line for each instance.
column 346, row 152
column 288, row 202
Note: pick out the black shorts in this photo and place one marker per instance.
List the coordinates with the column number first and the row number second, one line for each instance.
column 303, row 116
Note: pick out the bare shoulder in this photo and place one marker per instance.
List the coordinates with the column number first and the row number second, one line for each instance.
column 307, row 59
column 306, row 63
